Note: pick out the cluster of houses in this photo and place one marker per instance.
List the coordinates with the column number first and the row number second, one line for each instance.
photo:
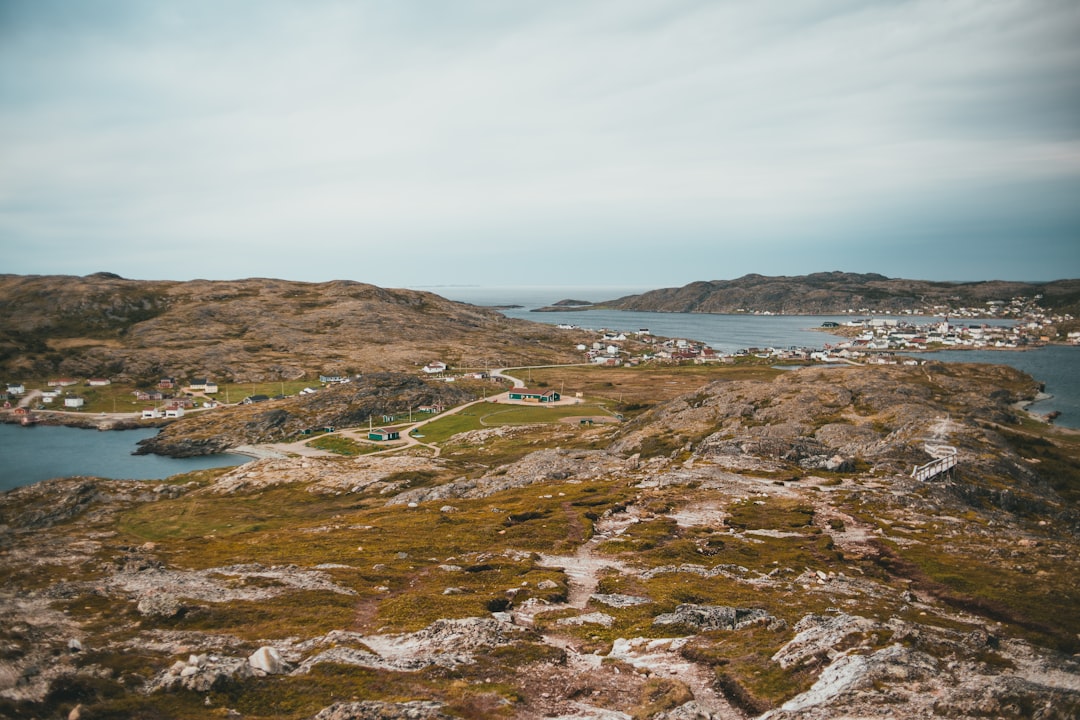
column 873, row 338
column 56, row 393
column 880, row 334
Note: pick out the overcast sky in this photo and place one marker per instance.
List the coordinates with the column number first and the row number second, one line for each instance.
column 645, row 142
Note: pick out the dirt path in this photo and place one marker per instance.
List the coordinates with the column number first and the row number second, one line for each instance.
column 584, row 569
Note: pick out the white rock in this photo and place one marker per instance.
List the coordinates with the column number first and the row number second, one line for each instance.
column 268, row 660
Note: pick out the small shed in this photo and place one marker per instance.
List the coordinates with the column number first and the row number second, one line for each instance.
column 382, row 434
column 538, row 396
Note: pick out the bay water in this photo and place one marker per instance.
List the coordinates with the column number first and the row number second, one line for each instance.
column 31, row 454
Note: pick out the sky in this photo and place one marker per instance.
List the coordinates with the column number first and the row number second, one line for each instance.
column 412, row 143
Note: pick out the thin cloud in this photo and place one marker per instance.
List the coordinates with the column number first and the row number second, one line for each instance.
column 228, row 129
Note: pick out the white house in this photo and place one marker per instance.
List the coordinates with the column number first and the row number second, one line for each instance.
column 98, row 382
column 74, row 402
column 433, row 368
column 16, row 388
column 174, row 411
column 150, row 413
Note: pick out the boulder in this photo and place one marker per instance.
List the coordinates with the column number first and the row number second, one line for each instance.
column 268, row 660
column 159, row 604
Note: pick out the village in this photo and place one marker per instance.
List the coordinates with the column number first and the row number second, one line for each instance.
column 867, row 340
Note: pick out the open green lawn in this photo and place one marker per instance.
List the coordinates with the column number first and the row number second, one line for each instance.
column 494, row 415
column 343, row 446
column 235, row 392
column 631, row 389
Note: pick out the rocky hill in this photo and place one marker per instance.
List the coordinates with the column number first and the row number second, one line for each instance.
column 754, row 547
column 346, row 405
column 837, row 292
column 248, row 330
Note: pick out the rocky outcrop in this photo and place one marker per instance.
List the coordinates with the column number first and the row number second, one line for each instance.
column 202, row 673
column 371, row 710
column 703, row 618
column 537, row 467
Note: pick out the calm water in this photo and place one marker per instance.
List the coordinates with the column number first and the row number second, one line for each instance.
column 28, row 455
column 1057, row 367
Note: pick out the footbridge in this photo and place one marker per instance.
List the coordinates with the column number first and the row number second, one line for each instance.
column 945, row 459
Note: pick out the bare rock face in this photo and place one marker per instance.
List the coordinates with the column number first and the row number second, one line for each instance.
column 538, row 467
column 854, row 673
column 1009, row 697
column 816, row 635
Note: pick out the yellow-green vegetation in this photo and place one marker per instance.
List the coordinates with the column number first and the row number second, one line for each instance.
column 341, row 445
column 495, row 415
column 991, row 577
column 444, row 427
column 630, row 390
column 235, row 392
column 684, row 534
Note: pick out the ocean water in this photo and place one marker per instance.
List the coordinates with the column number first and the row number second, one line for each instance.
column 31, row 454
column 532, row 296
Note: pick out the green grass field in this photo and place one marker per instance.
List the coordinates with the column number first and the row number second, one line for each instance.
column 494, row 415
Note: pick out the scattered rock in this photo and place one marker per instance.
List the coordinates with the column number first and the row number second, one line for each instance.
column 617, row 600
column 713, row 617
column 595, row 618
column 371, row 710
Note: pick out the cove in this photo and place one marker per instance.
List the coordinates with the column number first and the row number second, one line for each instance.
column 32, row 454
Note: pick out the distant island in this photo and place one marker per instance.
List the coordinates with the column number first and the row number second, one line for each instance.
column 565, row 305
